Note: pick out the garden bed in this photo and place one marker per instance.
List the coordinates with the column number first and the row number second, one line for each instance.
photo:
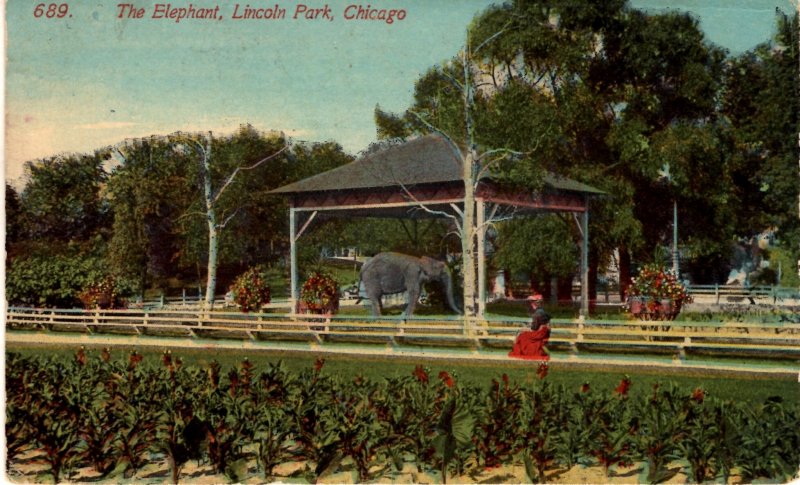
column 88, row 417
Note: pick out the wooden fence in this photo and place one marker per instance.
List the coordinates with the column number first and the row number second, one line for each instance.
column 781, row 340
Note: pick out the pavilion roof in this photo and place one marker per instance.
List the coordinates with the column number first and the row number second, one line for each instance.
column 424, row 160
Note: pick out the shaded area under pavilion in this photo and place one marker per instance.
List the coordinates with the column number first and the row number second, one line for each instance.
column 422, row 178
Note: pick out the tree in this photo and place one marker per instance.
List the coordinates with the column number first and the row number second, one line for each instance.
column 13, row 216
column 519, row 252
column 148, row 192
column 215, row 179
column 62, row 200
column 58, row 230
column 590, row 88
column 764, row 129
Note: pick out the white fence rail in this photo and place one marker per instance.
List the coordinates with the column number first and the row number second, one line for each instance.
column 719, row 294
column 780, row 339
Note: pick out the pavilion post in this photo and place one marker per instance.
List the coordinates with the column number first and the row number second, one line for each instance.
column 481, row 208
column 584, row 312
column 293, row 259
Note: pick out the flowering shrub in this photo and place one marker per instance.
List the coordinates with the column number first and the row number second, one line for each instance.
column 658, row 290
column 320, row 294
column 101, row 294
column 250, row 289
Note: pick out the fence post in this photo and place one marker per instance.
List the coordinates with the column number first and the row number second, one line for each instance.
column 716, row 292
column 161, row 302
column 183, row 296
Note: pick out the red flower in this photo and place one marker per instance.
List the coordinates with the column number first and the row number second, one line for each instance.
column 447, row 379
column 318, row 364
column 585, row 387
column 624, row 385
column 134, row 359
column 542, row 370
column 80, row 356
column 166, row 358
column 106, row 354
column 699, row 395
column 420, row 374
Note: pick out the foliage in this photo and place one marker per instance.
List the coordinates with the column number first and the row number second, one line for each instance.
column 54, row 279
column 61, row 200
column 115, row 415
column 320, row 292
column 541, row 247
column 251, row 290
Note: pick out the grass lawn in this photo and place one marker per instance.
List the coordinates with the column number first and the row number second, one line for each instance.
column 754, row 390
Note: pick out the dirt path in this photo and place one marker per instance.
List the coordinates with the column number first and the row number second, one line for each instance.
column 28, row 469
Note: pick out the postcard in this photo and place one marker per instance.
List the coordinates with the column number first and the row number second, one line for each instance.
column 401, row 241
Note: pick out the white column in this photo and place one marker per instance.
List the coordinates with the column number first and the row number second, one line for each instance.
column 293, row 259
column 481, row 216
column 584, row 312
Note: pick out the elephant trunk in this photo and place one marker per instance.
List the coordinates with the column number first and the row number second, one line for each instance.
column 448, row 291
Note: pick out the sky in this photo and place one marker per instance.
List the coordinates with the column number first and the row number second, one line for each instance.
column 91, row 79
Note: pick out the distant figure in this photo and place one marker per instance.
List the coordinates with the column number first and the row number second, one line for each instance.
column 534, row 302
column 530, row 343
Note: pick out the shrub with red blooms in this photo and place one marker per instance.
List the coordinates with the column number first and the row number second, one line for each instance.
column 320, row 294
column 102, row 294
column 648, row 291
column 250, row 289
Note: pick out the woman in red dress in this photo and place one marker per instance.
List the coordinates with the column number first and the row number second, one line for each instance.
column 530, row 343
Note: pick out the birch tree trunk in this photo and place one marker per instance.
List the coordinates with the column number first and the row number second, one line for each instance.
column 468, row 241
column 213, row 228
column 469, row 169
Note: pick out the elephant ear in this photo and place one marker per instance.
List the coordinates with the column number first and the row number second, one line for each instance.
column 431, row 267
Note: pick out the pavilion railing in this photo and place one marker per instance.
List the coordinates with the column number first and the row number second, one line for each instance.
column 780, row 339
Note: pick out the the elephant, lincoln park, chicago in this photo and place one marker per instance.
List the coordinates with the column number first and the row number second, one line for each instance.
column 389, row 273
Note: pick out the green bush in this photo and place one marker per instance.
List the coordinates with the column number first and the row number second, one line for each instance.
column 779, row 257
column 52, row 280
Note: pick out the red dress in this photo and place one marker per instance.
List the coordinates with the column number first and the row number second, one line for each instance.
column 530, row 344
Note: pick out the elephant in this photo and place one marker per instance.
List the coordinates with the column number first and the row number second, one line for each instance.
column 388, row 273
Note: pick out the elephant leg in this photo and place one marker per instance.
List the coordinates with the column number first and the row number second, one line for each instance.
column 413, row 297
column 375, row 301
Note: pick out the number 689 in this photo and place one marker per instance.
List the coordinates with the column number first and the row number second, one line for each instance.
column 51, row 10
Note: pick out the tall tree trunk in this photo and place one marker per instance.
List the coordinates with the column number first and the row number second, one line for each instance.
column 564, row 290
column 468, row 241
column 624, row 271
column 594, row 262
column 213, row 229
column 469, row 174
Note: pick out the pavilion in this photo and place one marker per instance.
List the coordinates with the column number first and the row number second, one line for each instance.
column 422, row 178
